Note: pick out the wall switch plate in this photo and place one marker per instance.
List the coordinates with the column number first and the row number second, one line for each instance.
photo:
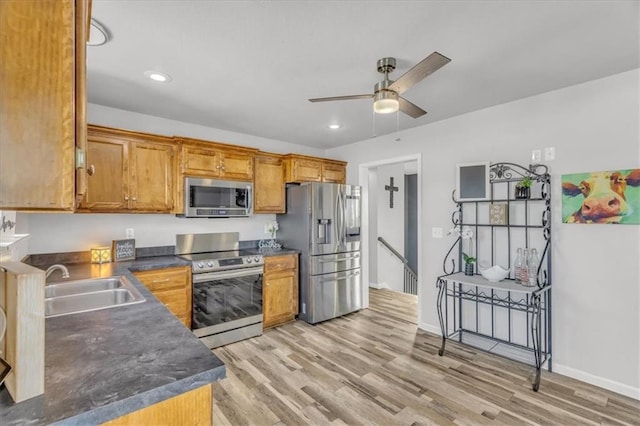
column 128, row 233
column 436, row 232
column 549, row 154
column 536, row 156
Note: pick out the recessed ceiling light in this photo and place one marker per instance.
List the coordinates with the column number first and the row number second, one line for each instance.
column 158, row 76
column 335, row 126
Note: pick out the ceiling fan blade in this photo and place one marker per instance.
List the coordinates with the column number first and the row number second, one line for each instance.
column 422, row 69
column 410, row 108
column 341, row 98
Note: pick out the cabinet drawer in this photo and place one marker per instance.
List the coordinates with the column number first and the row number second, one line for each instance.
column 280, row 263
column 165, row 279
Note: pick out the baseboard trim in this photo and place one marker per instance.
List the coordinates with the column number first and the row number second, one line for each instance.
column 430, row 328
column 602, row 382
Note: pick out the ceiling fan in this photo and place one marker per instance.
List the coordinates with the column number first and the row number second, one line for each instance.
column 386, row 93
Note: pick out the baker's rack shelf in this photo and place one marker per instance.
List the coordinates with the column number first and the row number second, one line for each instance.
column 505, row 318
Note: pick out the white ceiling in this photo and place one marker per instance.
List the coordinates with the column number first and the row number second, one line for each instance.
column 250, row 66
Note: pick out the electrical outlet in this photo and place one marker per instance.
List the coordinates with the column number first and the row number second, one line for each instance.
column 436, row 232
column 536, row 156
column 128, row 232
column 549, row 154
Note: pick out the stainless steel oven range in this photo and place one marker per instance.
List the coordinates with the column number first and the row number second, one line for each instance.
column 227, row 287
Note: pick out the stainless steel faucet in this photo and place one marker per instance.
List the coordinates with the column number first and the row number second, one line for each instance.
column 52, row 268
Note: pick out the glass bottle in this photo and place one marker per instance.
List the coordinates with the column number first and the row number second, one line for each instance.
column 517, row 267
column 524, row 270
column 534, row 263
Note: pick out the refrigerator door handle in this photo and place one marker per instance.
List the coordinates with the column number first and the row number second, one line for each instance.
column 342, row 278
column 339, row 259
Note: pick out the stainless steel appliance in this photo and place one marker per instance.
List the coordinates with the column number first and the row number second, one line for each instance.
column 227, row 287
column 323, row 222
column 216, row 198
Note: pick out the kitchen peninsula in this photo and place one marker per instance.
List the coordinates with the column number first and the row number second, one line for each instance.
column 124, row 361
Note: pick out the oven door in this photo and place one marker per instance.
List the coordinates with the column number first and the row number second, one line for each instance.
column 227, row 300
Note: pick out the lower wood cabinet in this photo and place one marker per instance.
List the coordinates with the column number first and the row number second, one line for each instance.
column 172, row 287
column 280, row 289
column 190, row 408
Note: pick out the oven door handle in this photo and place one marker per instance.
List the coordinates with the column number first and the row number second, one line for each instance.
column 211, row 276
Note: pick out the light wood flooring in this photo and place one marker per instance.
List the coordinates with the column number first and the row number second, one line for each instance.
column 375, row 367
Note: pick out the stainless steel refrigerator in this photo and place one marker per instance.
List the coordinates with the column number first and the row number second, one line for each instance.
column 323, row 222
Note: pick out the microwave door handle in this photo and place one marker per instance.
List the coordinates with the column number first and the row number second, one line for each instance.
column 249, row 200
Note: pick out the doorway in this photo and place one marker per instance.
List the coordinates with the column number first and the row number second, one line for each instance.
column 371, row 181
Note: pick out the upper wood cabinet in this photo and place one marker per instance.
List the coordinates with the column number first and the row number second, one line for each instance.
column 129, row 171
column 302, row 168
column 42, row 103
column 280, row 289
column 209, row 159
column 268, row 186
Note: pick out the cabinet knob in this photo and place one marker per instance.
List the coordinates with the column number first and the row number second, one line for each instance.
column 91, row 170
column 126, row 198
column 134, row 199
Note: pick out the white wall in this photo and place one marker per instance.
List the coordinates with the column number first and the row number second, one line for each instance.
column 51, row 233
column 390, row 227
column 596, row 273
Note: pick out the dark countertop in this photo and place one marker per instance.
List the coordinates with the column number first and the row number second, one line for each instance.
column 103, row 364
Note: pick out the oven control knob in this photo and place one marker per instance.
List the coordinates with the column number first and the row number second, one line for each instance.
column 210, row 264
column 249, row 260
column 256, row 259
column 200, row 265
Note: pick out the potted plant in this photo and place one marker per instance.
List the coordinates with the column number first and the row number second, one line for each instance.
column 523, row 188
column 468, row 263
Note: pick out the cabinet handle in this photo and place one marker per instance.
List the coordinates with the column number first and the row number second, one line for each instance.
column 160, row 281
column 91, row 170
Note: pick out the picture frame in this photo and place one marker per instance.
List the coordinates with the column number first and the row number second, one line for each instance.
column 472, row 181
column 123, row 250
column 498, row 214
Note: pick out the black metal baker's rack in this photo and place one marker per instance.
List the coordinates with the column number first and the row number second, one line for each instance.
column 505, row 318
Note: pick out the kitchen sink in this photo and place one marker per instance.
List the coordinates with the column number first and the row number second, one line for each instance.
column 83, row 286
column 74, row 297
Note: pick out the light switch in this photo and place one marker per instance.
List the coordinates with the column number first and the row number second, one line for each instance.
column 436, row 232
column 536, row 156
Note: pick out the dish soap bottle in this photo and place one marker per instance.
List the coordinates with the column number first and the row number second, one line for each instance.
column 524, row 270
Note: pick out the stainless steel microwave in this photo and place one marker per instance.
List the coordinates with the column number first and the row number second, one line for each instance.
column 217, row 198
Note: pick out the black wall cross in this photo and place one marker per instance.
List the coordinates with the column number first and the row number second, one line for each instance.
column 391, row 190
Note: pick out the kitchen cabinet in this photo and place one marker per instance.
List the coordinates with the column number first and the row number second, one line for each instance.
column 268, row 187
column 172, row 287
column 42, row 103
column 209, row 159
column 280, row 289
column 190, row 408
column 302, row 168
column 129, row 171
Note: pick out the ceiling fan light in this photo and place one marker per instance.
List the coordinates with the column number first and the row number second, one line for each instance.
column 386, row 102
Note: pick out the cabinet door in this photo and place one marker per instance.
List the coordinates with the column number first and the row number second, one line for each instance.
column 172, row 287
column 107, row 186
column 151, row 168
column 200, row 162
column 236, row 165
column 334, row 172
column 37, row 105
column 303, row 170
column 269, row 194
column 280, row 290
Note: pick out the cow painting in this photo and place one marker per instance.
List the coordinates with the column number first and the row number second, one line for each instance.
column 601, row 197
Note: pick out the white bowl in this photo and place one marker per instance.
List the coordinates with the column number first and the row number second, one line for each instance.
column 495, row 273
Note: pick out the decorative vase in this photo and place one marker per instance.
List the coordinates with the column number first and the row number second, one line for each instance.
column 468, row 269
